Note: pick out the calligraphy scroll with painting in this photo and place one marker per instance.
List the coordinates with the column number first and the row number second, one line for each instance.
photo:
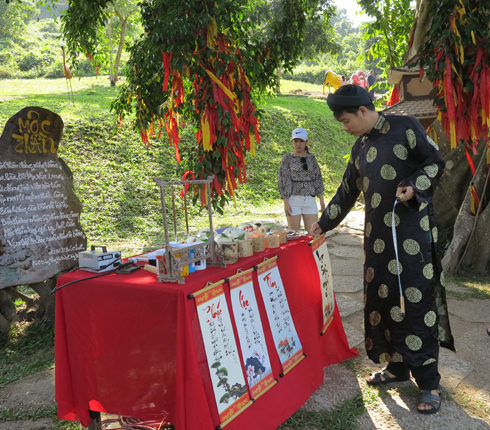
column 320, row 252
column 229, row 386
column 251, row 334
column 286, row 339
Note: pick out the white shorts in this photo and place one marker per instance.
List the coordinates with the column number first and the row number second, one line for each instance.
column 305, row 205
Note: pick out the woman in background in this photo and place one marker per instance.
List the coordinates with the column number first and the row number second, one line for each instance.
column 300, row 182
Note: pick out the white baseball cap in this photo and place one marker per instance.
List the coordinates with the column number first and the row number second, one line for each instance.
column 299, row 133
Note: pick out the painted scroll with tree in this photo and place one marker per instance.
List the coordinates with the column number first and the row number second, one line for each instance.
column 229, row 386
column 286, row 339
column 255, row 356
column 322, row 259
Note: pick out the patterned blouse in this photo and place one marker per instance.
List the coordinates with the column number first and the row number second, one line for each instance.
column 299, row 176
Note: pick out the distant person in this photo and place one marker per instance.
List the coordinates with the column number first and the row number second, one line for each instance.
column 371, row 81
column 405, row 310
column 300, row 181
column 343, row 82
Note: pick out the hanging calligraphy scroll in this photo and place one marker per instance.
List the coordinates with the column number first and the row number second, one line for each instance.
column 229, row 386
column 320, row 252
column 276, row 304
column 255, row 356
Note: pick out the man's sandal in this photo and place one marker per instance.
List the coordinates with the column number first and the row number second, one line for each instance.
column 432, row 400
column 380, row 378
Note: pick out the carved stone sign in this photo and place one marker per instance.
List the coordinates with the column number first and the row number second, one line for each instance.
column 40, row 232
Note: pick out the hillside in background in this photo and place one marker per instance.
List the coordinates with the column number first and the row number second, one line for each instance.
column 113, row 170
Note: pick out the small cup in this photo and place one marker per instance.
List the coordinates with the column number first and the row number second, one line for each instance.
column 283, row 236
column 272, row 241
column 228, row 251
column 259, row 244
column 245, row 248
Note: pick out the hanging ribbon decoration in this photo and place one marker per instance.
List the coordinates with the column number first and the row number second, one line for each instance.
column 462, row 79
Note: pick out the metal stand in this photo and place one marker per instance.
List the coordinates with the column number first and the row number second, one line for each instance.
column 178, row 257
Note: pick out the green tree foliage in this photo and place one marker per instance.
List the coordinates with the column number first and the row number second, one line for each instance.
column 172, row 69
column 390, row 29
column 14, row 18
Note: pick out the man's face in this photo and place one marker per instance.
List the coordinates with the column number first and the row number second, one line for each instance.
column 355, row 125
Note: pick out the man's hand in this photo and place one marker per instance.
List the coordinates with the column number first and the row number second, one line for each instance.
column 407, row 193
column 287, row 208
column 315, row 229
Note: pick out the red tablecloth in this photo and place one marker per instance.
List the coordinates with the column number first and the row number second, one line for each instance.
column 129, row 345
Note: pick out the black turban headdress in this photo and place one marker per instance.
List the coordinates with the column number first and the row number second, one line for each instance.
column 361, row 98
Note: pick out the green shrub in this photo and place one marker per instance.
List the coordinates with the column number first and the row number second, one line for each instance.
column 311, row 74
column 6, row 73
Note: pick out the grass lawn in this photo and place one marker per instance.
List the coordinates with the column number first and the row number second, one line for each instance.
column 113, row 170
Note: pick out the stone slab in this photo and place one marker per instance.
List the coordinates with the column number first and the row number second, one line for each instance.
column 347, row 267
column 354, row 220
column 470, row 310
column 354, row 336
column 347, row 284
column 473, row 345
column 398, row 411
column 348, row 305
column 346, row 252
column 339, row 384
column 453, row 369
column 347, row 239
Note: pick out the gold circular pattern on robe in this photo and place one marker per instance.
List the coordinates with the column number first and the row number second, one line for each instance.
column 385, row 127
column 368, row 229
column 413, row 342
column 357, row 163
column 375, row 200
column 371, row 154
column 333, row 211
column 430, row 318
column 379, row 246
column 369, row 343
column 384, row 358
column 422, row 182
column 388, row 172
column 387, row 219
column 396, row 314
column 412, row 139
column 435, row 234
column 374, row 318
column 383, row 291
column 431, row 170
column 365, row 184
column 443, row 280
column 392, row 267
column 423, row 206
column 411, row 246
column 413, row 295
column 388, row 335
column 345, row 184
column 397, row 357
column 364, row 257
column 429, row 361
column 359, row 184
column 424, row 223
column 400, row 151
column 428, row 271
column 369, row 274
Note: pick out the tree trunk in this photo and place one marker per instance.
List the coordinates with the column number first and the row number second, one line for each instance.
column 47, row 300
column 124, row 23
column 278, row 87
column 420, row 27
column 469, row 246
